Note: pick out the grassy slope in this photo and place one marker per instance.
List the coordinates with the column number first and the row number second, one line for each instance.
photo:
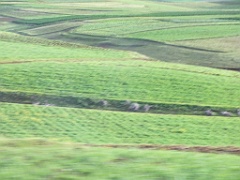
column 94, row 126
column 186, row 33
column 179, row 28
column 136, row 80
column 227, row 44
column 15, row 51
column 200, row 17
column 145, row 81
column 71, row 161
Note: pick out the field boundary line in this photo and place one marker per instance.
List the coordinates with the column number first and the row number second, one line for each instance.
column 201, row 149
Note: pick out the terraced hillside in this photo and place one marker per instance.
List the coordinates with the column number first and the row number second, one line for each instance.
column 94, row 126
column 79, row 78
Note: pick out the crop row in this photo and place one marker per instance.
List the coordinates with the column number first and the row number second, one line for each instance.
column 90, row 126
column 134, row 80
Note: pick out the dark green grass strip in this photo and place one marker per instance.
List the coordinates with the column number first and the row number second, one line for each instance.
column 231, row 19
column 113, row 104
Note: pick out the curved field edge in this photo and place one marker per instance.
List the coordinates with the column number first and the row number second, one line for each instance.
column 99, row 127
column 21, row 51
column 13, row 37
column 190, row 33
column 143, row 81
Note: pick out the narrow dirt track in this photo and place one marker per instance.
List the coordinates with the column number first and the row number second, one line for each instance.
column 234, row 150
column 202, row 149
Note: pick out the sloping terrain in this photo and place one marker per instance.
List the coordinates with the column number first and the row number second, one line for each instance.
column 117, row 84
column 54, row 160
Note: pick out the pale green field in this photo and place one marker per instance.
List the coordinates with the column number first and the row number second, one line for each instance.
column 145, row 27
column 190, row 33
column 19, row 51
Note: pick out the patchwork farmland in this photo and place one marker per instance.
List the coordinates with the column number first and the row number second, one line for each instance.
column 137, row 89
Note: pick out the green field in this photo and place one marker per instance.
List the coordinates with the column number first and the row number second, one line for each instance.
column 49, row 159
column 186, row 33
column 93, row 89
column 134, row 80
column 91, row 126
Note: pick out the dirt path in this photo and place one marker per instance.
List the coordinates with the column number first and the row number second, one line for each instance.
column 202, row 149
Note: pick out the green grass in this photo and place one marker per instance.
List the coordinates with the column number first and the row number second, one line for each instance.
column 121, row 26
column 27, row 40
column 186, row 33
column 229, row 45
column 46, row 56
column 149, row 81
column 29, row 14
column 53, row 28
column 126, row 26
column 19, row 51
column 72, row 161
column 94, row 126
column 137, row 20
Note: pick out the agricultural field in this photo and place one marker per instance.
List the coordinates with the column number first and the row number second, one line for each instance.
column 95, row 126
column 121, row 89
column 54, row 160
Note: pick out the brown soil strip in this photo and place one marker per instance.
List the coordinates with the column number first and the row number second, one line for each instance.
column 6, row 18
column 201, row 149
column 25, row 142
column 15, row 62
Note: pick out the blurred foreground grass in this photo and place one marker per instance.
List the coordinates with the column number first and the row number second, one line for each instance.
column 44, row 159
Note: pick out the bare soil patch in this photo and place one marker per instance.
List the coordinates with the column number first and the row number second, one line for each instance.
column 6, row 19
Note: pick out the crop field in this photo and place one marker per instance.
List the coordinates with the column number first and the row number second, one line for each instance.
column 94, row 126
column 48, row 29
column 134, row 80
column 49, row 159
column 20, row 51
column 196, row 32
column 131, row 27
column 120, row 89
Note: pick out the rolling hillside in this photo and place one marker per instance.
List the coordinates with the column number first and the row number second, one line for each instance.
column 119, row 85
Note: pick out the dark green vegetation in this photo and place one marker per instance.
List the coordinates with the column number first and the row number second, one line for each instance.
column 69, row 68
